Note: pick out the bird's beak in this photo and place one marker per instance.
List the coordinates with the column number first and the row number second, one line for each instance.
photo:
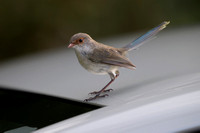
column 71, row 45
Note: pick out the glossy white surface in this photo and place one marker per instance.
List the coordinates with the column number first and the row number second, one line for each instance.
column 165, row 116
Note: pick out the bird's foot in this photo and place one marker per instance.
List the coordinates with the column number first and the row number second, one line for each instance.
column 95, row 97
column 108, row 90
column 99, row 92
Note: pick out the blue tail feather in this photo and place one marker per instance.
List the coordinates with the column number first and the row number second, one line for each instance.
column 140, row 40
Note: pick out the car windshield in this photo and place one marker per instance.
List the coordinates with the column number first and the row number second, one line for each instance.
column 30, row 111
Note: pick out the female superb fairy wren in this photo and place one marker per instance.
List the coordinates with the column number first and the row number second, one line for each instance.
column 98, row 58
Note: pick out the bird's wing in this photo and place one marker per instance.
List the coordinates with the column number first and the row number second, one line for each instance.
column 111, row 57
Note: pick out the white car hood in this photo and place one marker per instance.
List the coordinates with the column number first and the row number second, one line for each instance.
column 161, row 95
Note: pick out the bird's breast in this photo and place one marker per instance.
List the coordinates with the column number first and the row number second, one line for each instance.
column 93, row 67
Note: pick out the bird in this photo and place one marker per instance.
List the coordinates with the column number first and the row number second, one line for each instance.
column 102, row 59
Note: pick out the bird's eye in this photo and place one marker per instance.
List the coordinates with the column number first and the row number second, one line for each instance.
column 80, row 40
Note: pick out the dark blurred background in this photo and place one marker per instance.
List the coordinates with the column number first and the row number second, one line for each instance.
column 28, row 26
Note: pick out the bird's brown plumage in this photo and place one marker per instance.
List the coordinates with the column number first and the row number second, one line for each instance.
column 102, row 59
column 110, row 56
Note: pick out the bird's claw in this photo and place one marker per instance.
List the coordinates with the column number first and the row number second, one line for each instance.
column 95, row 97
column 94, row 93
column 99, row 92
column 108, row 90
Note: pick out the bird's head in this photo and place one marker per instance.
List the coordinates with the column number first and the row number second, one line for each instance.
column 79, row 40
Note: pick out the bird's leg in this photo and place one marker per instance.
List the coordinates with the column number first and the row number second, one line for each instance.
column 113, row 77
column 103, row 89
